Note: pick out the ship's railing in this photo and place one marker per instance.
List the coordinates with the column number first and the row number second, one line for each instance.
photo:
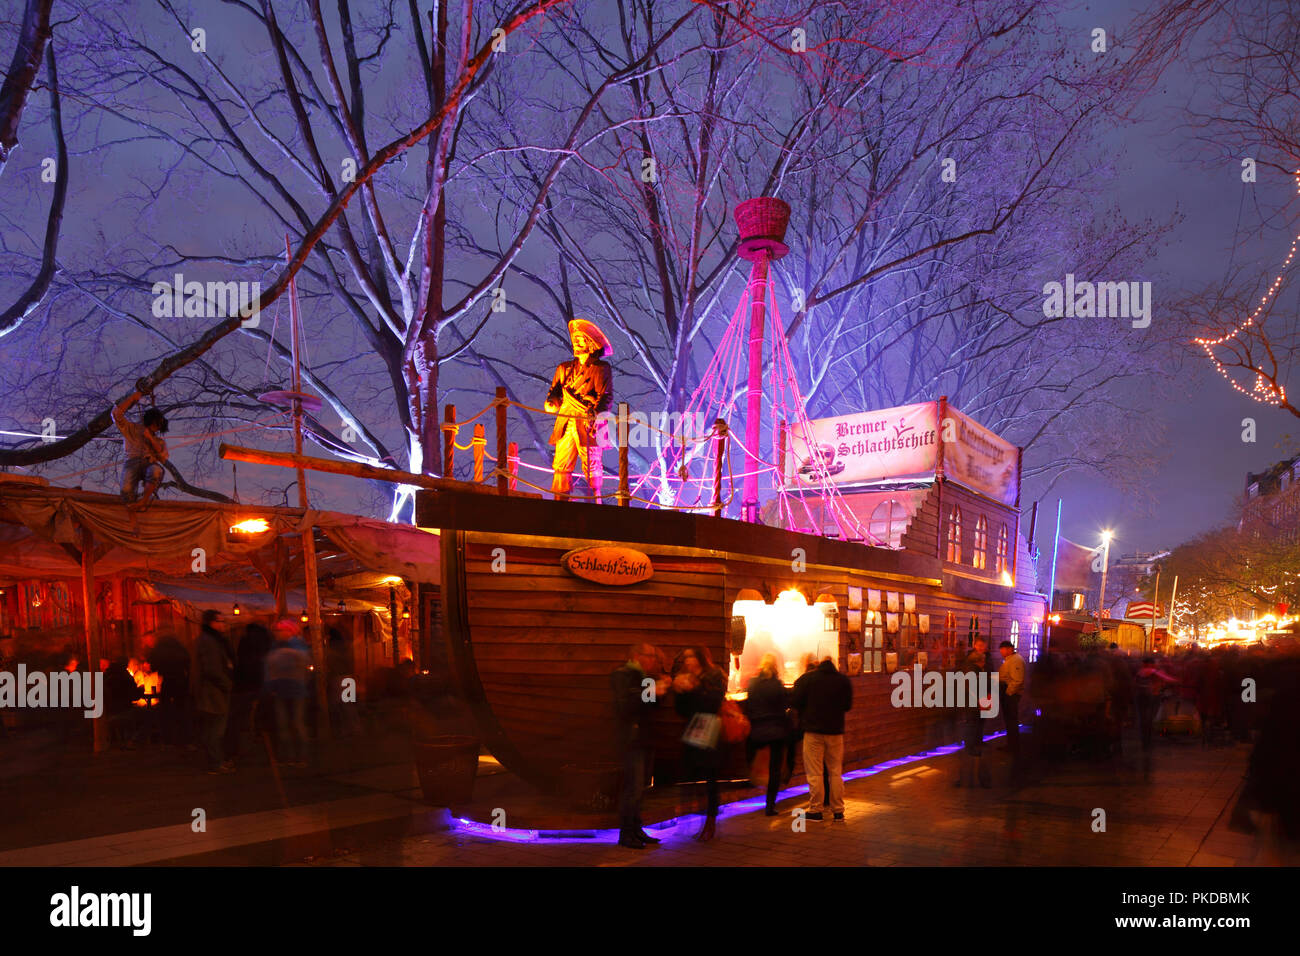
column 505, row 466
column 713, row 491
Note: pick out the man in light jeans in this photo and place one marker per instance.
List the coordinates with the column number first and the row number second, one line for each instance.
column 822, row 697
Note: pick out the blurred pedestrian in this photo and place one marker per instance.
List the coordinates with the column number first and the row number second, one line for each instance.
column 250, row 659
column 971, row 763
column 171, row 661
column 121, row 693
column 215, row 664
column 794, row 744
column 287, row 667
column 636, row 688
column 767, row 703
column 822, row 697
column 1150, row 681
column 339, row 666
column 700, row 689
column 1011, row 685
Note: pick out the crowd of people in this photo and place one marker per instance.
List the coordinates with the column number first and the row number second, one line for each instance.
column 232, row 686
column 775, row 720
column 1087, row 699
column 1080, row 704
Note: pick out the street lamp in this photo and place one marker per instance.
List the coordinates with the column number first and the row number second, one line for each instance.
column 1105, row 566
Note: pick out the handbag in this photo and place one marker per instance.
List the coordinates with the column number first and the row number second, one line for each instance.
column 702, row 732
column 735, row 725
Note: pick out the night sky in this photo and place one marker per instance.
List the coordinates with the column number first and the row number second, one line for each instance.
column 1202, row 460
column 1193, row 419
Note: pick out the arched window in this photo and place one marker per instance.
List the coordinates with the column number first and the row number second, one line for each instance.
column 888, row 522
column 974, row 631
column 979, row 557
column 954, row 535
column 1000, row 563
column 1015, row 635
column 949, row 639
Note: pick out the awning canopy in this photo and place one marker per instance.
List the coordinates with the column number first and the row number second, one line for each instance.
column 190, row 543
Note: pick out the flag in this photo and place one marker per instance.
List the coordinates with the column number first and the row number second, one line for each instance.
column 1074, row 566
column 1143, row 610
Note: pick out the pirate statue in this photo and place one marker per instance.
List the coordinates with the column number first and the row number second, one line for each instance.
column 581, row 390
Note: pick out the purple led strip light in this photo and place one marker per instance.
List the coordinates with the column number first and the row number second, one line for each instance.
column 663, row 830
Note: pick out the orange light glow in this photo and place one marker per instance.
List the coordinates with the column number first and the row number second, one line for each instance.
column 251, row 526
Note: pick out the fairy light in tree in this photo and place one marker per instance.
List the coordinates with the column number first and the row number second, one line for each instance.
column 1265, row 390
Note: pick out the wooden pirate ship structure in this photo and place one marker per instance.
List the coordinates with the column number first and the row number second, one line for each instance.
column 890, row 540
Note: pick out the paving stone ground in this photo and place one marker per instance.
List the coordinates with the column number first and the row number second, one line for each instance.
column 912, row 816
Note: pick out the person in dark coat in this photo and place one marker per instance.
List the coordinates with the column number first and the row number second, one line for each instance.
column 635, row 688
column 971, row 763
column 794, row 743
column 701, row 688
column 120, row 694
column 339, row 667
column 822, row 697
column 250, row 657
column 766, row 706
column 170, row 659
column 215, row 665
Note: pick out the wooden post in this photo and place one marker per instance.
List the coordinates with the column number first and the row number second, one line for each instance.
column 512, row 464
column 392, row 616
column 624, row 495
column 719, row 447
column 316, row 642
column 479, row 444
column 99, row 728
column 448, row 441
column 940, row 546
column 503, row 450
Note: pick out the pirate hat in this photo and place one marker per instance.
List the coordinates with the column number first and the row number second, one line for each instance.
column 590, row 331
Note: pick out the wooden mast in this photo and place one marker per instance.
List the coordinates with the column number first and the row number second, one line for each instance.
column 315, row 638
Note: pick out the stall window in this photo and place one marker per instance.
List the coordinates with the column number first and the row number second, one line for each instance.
column 954, row 535
column 979, row 559
column 60, row 605
column 873, row 643
column 1034, row 638
column 950, row 639
column 888, row 522
column 1001, row 559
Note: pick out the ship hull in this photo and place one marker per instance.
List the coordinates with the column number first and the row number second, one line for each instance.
column 529, row 645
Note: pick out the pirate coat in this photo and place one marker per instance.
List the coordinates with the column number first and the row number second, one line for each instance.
column 581, row 390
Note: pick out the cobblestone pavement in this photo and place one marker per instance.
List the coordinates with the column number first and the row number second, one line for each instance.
column 912, row 815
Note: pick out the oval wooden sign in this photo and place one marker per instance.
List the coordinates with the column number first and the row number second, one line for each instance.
column 609, row 565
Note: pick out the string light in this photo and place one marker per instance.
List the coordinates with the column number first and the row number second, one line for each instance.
column 1264, row 390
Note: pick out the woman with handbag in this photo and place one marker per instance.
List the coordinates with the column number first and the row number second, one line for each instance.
column 766, row 702
column 700, row 689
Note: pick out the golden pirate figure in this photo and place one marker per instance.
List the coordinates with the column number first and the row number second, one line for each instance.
column 581, row 389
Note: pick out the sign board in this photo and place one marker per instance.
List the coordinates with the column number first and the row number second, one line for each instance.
column 902, row 444
column 848, row 449
column 610, row 565
column 979, row 459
